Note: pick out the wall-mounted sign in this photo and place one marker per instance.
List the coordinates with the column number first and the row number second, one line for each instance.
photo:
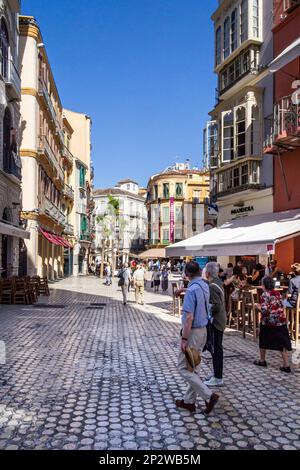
column 242, row 210
column 270, row 249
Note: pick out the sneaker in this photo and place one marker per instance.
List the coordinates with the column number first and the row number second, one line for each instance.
column 186, row 406
column 211, row 403
column 286, row 369
column 214, row 382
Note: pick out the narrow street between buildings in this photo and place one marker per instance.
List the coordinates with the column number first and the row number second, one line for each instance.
column 83, row 371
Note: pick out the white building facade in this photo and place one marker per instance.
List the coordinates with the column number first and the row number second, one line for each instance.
column 11, row 234
column 241, row 175
column 132, row 218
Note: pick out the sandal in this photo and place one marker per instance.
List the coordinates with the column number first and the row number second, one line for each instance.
column 260, row 363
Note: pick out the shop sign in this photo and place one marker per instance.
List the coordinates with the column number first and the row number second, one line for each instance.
column 242, row 210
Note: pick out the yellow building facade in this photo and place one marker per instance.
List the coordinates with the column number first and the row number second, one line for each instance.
column 45, row 162
column 175, row 204
column 81, row 181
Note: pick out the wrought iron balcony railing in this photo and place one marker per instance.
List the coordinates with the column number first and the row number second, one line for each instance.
column 12, row 79
column 69, row 229
column 50, row 209
column 68, row 192
column 282, row 130
column 43, row 91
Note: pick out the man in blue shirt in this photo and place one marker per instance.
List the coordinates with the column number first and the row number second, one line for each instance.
column 195, row 313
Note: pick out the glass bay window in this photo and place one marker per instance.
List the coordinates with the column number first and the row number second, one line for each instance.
column 241, row 132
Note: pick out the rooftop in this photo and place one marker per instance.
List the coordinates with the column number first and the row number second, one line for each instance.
column 116, row 192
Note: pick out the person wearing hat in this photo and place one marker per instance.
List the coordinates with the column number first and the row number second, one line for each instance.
column 195, row 312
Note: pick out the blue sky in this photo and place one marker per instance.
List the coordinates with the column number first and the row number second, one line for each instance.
column 142, row 69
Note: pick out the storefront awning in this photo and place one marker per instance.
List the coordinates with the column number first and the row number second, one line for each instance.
column 153, row 253
column 8, row 229
column 286, row 56
column 55, row 239
column 252, row 235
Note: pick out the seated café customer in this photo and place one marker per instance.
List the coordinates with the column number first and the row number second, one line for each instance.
column 294, row 287
column 273, row 332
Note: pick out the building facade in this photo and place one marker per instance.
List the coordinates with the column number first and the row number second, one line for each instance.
column 282, row 126
column 11, row 234
column 176, row 204
column 132, row 219
column 80, row 218
column 42, row 154
column 241, row 175
column 68, row 196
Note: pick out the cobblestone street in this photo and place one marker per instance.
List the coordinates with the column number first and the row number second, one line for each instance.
column 83, row 376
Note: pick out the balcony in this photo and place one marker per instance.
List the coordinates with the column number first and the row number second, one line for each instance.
column 13, row 81
column 282, row 130
column 68, row 192
column 86, row 237
column 51, row 210
column 69, row 229
column 43, row 91
column 243, row 187
column 82, row 208
column 244, row 176
column 45, row 149
column 241, row 70
column 67, row 155
column 12, row 165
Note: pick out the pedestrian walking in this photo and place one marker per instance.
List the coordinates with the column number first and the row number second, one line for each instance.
column 156, row 279
column 108, row 275
column 218, row 311
column 165, row 279
column 195, row 312
column 273, row 332
column 124, row 281
column 139, row 284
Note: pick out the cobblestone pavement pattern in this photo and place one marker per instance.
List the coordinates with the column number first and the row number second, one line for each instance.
column 86, row 377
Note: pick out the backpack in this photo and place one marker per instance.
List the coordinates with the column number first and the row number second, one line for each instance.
column 121, row 278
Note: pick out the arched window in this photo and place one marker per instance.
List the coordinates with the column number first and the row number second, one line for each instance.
column 7, row 156
column 4, row 44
